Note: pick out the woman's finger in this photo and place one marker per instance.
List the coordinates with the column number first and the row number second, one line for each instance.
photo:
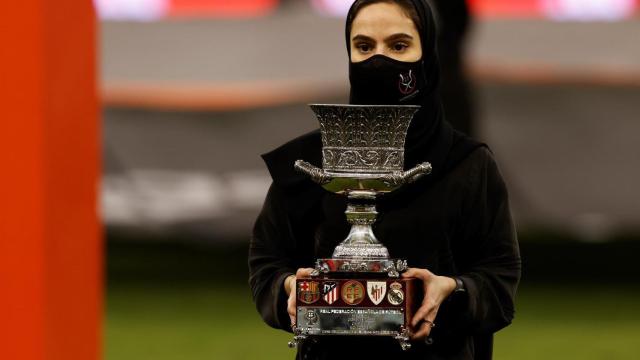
column 419, row 315
column 422, row 274
column 291, row 302
column 426, row 311
column 291, row 308
column 304, row 272
column 423, row 331
column 426, row 314
column 428, row 322
column 413, row 272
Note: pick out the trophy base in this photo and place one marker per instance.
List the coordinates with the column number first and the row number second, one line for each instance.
column 392, row 267
column 363, row 306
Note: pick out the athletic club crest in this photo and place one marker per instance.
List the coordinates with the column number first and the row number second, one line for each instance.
column 308, row 291
column 329, row 292
column 407, row 83
column 352, row 292
column 376, row 291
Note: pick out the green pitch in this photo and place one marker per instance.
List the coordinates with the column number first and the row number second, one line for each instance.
column 197, row 322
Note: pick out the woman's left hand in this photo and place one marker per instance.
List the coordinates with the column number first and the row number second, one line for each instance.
column 436, row 290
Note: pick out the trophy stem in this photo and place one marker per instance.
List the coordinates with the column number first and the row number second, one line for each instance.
column 361, row 217
column 361, row 243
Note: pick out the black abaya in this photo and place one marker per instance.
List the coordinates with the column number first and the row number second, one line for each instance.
column 457, row 224
column 455, row 221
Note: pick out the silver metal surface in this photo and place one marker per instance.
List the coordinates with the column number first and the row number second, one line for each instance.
column 298, row 337
column 363, row 139
column 403, row 338
column 354, row 184
column 350, row 321
column 390, row 266
column 361, row 242
column 362, row 157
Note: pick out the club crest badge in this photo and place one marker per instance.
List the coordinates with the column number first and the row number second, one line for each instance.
column 396, row 295
column 376, row 291
column 407, row 83
column 311, row 317
column 308, row 291
column 329, row 292
column 352, row 292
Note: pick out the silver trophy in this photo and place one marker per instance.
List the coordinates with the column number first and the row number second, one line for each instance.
column 358, row 291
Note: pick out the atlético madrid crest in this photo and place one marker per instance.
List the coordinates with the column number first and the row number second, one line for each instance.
column 329, row 292
column 352, row 292
column 308, row 291
column 376, row 291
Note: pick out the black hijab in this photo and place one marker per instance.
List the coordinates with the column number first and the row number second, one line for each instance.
column 430, row 138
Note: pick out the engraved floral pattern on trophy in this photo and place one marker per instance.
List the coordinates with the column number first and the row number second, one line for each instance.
column 366, row 139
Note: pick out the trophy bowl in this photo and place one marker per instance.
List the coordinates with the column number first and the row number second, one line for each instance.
column 362, row 148
column 358, row 291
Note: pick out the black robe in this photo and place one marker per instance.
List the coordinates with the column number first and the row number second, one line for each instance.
column 456, row 222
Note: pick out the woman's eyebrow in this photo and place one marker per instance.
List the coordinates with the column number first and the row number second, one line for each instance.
column 398, row 36
column 363, row 38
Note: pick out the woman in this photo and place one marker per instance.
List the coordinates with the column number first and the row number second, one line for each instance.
column 454, row 226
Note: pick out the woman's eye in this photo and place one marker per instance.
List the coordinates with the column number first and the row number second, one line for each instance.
column 364, row 47
column 399, row 47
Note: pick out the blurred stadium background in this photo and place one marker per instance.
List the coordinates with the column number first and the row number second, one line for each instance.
column 194, row 91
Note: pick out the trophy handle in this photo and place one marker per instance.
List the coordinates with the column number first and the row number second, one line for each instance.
column 403, row 338
column 298, row 337
column 315, row 173
column 409, row 176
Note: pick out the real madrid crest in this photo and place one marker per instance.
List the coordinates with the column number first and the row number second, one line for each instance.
column 396, row 294
column 376, row 291
column 352, row 292
column 308, row 291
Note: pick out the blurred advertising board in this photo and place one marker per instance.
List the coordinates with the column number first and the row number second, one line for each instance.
column 561, row 10
column 149, row 10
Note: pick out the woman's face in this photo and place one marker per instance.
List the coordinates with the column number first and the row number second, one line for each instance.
column 384, row 29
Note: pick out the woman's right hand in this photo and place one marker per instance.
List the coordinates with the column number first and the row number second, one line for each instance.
column 290, row 289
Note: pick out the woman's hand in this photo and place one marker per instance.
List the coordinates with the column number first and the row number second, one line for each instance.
column 436, row 290
column 290, row 289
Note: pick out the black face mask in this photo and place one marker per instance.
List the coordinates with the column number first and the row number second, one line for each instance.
column 381, row 80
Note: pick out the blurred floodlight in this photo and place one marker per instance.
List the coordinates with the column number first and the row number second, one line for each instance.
column 138, row 10
column 332, row 7
column 589, row 10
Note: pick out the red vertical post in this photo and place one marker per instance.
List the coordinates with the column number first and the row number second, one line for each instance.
column 50, row 237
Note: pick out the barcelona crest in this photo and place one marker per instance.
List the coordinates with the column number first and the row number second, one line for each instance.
column 308, row 291
column 376, row 291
